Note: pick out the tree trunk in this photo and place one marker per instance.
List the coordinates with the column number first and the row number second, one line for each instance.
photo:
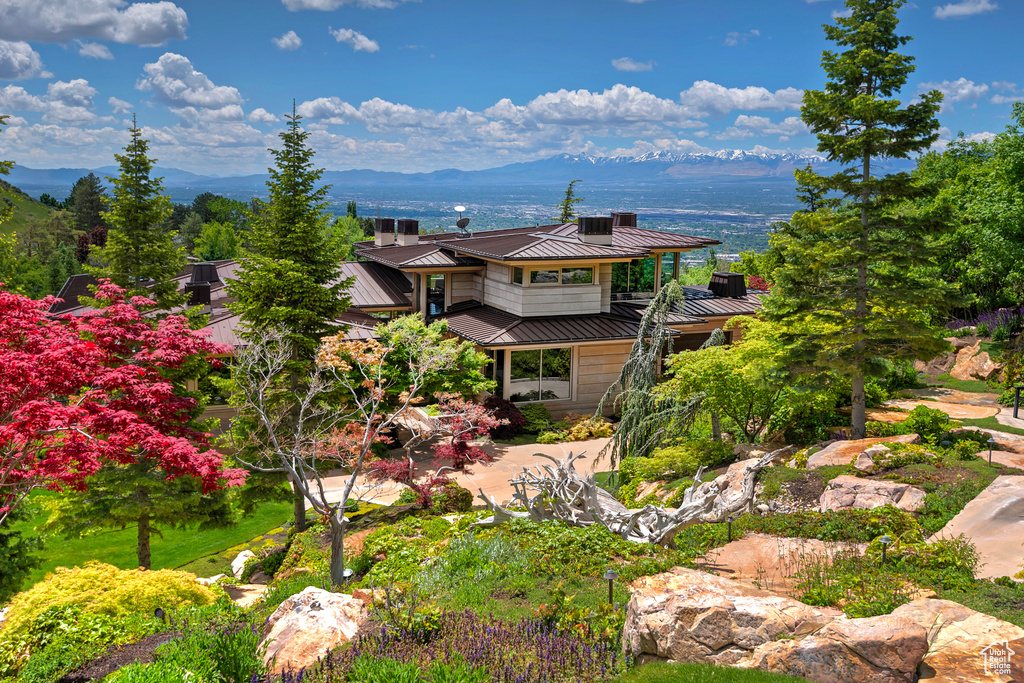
column 716, row 426
column 338, row 525
column 859, row 402
column 142, row 550
column 300, row 507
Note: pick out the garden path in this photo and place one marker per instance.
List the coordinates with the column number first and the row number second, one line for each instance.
column 994, row 522
column 493, row 478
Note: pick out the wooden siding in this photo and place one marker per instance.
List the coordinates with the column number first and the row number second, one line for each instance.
column 464, row 287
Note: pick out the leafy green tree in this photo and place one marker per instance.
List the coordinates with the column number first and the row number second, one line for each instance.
column 139, row 255
column 201, row 206
column 344, row 233
column 567, row 207
column 17, row 556
column 189, row 231
column 857, row 285
column 217, row 241
column 291, row 283
column 139, row 495
column 87, row 202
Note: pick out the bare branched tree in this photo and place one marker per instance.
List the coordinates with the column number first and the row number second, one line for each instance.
column 348, row 402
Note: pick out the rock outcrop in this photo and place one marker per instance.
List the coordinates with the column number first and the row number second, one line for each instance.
column 973, row 363
column 885, row 649
column 845, row 492
column 846, row 452
column 685, row 615
column 963, row 644
column 238, row 564
column 309, row 624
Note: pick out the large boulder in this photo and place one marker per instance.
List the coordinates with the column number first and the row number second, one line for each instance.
column 685, row 615
column 238, row 564
column 885, row 649
column 973, row 363
column 845, row 492
column 309, row 624
column 846, row 452
column 965, row 646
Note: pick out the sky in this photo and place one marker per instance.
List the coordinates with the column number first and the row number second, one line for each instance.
column 420, row 85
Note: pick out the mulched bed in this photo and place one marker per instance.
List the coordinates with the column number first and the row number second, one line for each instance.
column 118, row 656
column 807, row 489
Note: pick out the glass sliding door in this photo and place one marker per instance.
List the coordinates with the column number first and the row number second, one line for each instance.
column 541, row 375
column 435, row 294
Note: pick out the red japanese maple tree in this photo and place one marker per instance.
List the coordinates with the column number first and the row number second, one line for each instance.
column 76, row 393
column 462, row 421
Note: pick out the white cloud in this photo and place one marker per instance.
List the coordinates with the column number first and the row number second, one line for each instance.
column 733, row 38
column 627, row 64
column 288, row 41
column 1004, row 85
column 357, row 40
column 747, row 126
column 329, row 110
column 330, row 5
column 74, row 93
column 965, row 8
column 16, row 98
column 16, row 121
column 1007, row 99
column 175, row 82
column 956, row 91
column 844, row 13
column 60, row 21
column 261, row 115
column 706, row 98
column 94, row 50
column 18, row 60
column 120, row 106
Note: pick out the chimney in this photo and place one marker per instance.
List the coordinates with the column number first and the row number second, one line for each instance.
column 198, row 287
column 728, row 285
column 623, row 220
column 595, row 230
column 383, row 232
column 408, row 233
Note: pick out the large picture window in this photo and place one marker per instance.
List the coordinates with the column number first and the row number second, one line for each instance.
column 561, row 276
column 541, row 375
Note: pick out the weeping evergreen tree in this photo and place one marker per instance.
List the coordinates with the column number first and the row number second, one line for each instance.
column 647, row 420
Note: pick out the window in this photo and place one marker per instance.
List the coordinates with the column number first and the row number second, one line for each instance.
column 517, row 275
column 381, row 315
column 543, row 277
column 667, row 267
column 577, row 276
column 435, row 294
column 541, row 375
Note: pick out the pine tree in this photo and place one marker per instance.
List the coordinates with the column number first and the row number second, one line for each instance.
column 87, row 203
column 291, row 283
column 857, row 285
column 567, row 207
column 139, row 255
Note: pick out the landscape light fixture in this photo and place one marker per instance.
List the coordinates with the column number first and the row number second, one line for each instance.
column 991, row 442
column 160, row 614
column 885, row 541
column 729, row 521
column 347, row 573
column 610, row 576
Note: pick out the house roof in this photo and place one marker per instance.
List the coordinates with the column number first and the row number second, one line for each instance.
column 634, row 310
column 703, row 303
column 376, row 286
column 423, row 255
column 538, row 246
column 488, row 326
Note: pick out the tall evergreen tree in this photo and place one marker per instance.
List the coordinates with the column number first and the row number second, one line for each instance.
column 291, row 283
column 567, row 207
column 139, row 255
column 87, row 202
column 857, row 285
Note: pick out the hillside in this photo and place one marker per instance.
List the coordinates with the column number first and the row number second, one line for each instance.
column 25, row 208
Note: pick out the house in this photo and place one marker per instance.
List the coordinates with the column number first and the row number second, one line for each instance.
column 556, row 307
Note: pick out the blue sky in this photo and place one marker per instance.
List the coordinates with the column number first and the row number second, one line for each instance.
column 415, row 85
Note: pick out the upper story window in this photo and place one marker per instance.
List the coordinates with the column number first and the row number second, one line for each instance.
column 556, row 276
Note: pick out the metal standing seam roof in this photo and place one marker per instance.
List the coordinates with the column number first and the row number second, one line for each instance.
column 427, row 255
column 702, row 303
column 376, row 285
column 635, row 311
column 488, row 326
column 539, row 247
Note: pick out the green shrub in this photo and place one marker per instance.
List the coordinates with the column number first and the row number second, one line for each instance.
column 851, row 525
column 469, row 558
column 268, row 560
column 676, row 462
column 371, row 670
column 947, row 502
column 538, row 417
column 551, row 437
column 929, row 423
column 451, row 498
column 100, row 588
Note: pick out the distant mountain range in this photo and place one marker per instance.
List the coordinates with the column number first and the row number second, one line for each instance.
column 653, row 167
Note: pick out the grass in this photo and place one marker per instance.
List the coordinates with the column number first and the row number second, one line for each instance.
column 992, row 423
column 971, row 386
column 25, row 208
column 659, row 672
column 995, row 599
column 207, row 551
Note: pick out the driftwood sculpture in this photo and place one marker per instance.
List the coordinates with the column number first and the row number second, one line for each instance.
column 560, row 492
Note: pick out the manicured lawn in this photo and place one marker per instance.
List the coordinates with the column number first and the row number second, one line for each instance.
column 176, row 548
column 973, row 386
column 992, row 423
column 697, row 673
